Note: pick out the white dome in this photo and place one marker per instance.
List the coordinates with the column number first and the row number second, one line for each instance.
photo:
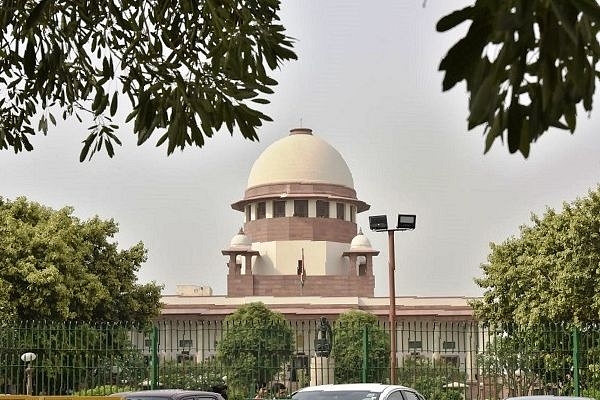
column 360, row 242
column 240, row 241
column 300, row 157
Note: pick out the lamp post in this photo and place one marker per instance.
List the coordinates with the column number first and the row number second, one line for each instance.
column 378, row 223
column 28, row 358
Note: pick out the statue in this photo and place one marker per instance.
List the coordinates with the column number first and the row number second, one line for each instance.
column 323, row 338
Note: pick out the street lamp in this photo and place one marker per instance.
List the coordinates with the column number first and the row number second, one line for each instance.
column 28, row 358
column 378, row 223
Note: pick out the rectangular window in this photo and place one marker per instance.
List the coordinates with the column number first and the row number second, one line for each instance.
column 415, row 344
column 279, row 209
column 183, row 357
column 448, row 345
column 186, row 343
column 362, row 269
column 300, row 208
column 261, row 210
column 341, row 211
column 453, row 360
column 322, row 209
column 248, row 213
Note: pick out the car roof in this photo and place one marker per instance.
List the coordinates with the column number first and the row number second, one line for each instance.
column 174, row 393
column 548, row 397
column 371, row 387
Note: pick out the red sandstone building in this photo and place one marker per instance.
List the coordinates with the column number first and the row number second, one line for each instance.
column 300, row 251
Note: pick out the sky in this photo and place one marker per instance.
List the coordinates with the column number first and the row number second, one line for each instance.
column 367, row 82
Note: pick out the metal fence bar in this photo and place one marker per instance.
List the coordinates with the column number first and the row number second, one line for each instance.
column 439, row 358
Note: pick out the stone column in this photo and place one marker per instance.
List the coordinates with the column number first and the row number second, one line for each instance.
column 321, row 370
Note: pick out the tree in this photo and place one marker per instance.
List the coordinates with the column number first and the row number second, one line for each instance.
column 56, row 267
column 256, row 344
column 549, row 273
column 527, row 65
column 537, row 288
column 430, row 378
column 187, row 67
column 347, row 349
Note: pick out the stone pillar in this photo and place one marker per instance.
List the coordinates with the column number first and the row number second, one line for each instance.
column 248, row 258
column 369, row 264
column 353, row 269
column 232, row 265
column 321, row 370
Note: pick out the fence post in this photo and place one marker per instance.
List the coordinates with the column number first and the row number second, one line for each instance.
column 576, row 361
column 154, row 380
column 365, row 348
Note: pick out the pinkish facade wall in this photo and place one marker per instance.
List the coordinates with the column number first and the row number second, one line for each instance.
column 289, row 285
column 295, row 228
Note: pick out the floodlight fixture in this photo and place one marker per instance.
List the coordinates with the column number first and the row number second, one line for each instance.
column 378, row 222
column 406, row 221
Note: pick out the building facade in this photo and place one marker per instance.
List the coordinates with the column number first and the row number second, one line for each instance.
column 301, row 253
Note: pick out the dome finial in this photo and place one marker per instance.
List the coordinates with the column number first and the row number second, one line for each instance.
column 301, row 131
column 360, row 231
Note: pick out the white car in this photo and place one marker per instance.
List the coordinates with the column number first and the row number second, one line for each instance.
column 357, row 391
column 548, row 397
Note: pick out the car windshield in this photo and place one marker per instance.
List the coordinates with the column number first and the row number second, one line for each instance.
column 336, row 395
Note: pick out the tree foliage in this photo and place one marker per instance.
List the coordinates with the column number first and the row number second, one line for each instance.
column 529, row 358
column 70, row 356
column 429, row 378
column 527, row 65
column 57, row 267
column 256, row 345
column 347, row 349
column 186, row 67
column 550, row 273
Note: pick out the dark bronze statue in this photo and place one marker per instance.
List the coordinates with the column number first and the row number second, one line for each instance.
column 323, row 338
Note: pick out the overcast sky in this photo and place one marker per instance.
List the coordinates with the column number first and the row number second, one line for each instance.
column 366, row 81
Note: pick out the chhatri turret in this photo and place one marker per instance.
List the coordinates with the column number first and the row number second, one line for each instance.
column 300, row 211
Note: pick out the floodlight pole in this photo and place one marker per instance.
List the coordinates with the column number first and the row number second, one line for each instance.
column 378, row 223
column 392, row 285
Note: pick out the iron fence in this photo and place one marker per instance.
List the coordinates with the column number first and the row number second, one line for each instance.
column 443, row 360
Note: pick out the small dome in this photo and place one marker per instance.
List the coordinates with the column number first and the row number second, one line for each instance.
column 360, row 242
column 240, row 241
column 300, row 157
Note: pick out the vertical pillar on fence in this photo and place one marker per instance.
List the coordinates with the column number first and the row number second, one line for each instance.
column 154, row 380
column 365, row 351
column 576, row 361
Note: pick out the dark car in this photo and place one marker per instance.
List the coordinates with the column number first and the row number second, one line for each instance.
column 169, row 394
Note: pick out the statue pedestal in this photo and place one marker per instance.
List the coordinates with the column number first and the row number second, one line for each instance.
column 321, row 370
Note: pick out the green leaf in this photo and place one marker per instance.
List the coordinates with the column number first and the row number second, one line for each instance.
column 483, row 102
column 113, row 104
column 109, row 147
column 461, row 60
column 560, row 8
column 36, row 14
column 29, row 58
column 87, row 143
column 515, row 122
column 453, row 19
column 525, row 141
column 589, row 8
column 570, row 113
column 494, row 131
